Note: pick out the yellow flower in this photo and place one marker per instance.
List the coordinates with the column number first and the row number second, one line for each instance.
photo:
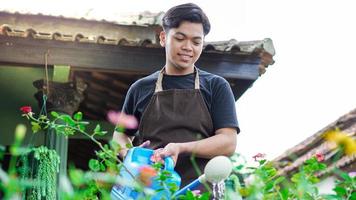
column 342, row 140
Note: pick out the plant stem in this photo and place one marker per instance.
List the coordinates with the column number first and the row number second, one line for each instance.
column 92, row 138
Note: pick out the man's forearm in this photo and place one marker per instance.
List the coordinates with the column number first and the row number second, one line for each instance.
column 223, row 143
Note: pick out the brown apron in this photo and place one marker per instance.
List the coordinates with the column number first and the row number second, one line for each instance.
column 176, row 116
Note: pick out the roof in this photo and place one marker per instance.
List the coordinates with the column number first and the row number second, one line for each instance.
column 124, row 18
column 104, row 54
column 103, row 32
column 297, row 155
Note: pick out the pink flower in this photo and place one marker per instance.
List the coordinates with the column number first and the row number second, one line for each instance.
column 196, row 192
column 26, row 109
column 319, row 157
column 121, row 119
column 258, row 156
column 352, row 174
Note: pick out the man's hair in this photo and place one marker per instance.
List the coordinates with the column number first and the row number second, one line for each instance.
column 185, row 12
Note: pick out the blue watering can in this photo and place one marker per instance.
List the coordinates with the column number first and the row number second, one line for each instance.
column 136, row 158
column 216, row 170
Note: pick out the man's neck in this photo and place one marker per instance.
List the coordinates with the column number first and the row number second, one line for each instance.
column 170, row 70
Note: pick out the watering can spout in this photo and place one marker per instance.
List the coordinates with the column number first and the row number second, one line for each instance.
column 215, row 171
column 191, row 186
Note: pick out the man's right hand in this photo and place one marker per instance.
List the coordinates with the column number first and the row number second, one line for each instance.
column 145, row 144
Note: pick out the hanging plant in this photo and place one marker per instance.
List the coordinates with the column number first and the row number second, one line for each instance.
column 44, row 168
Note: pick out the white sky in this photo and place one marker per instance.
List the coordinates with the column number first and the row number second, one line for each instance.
column 312, row 83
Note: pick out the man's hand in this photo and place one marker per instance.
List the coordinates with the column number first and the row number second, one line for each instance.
column 145, row 144
column 171, row 149
column 124, row 151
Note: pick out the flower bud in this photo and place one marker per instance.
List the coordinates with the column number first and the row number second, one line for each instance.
column 20, row 132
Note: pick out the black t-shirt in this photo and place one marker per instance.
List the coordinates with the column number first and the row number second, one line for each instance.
column 215, row 90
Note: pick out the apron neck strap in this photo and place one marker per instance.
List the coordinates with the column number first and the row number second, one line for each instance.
column 160, row 78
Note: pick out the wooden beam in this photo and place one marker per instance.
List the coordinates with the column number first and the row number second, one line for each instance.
column 118, row 58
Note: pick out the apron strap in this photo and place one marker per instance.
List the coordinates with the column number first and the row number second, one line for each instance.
column 159, row 87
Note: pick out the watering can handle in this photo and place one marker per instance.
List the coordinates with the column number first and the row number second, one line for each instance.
column 168, row 163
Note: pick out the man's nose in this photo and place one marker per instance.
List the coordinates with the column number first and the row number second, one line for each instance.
column 187, row 45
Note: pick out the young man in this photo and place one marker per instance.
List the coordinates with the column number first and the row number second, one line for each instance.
column 182, row 110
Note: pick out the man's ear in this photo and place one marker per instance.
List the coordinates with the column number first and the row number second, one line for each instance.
column 162, row 38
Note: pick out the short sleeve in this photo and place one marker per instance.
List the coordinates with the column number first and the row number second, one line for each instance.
column 223, row 106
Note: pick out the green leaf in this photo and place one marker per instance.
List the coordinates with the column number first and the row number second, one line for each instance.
column 296, row 177
column 94, row 165
column 97, row 128
column 345, row 176
column 271, row 172
column 284, row 193
column 239, row 167
column 2, row 151
column 340, row 191
column 119, row 129
column 54, row 114
column 268, row 186
column 35, row 127
column 322, row 166
column 102, row 167
column 314, row 179
column 76, row 176
column 101, row 133
column 98, row 131
column 189, row 195
column 81, row 127
column 78, row 116
column 205, row 196
column 42, row 118
column 129, row 145
column 262, row 161
column 279, row 180
column 68, row 120
column 330, row 197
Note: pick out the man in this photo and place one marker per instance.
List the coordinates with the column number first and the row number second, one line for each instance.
column 181, row 109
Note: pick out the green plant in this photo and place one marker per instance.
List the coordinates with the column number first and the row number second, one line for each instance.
column 40, row 164
column 261, row 182
column 265, row 182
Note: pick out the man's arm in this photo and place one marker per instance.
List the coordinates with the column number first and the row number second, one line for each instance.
column 222, row 143
column 122, row 139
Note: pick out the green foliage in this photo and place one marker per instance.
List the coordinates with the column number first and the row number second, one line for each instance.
column 36, row 176
column 191, row 196
column 94, row 165
column 2, row 152
column 346, row 186
column 264, row 182
column 42, row 167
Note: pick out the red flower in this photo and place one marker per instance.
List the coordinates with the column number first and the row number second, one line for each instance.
column 146, row 173
column 26, row 109
column 258, row 156
column 121, row 119
column 319, row 157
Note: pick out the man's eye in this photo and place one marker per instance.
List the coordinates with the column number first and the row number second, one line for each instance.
column 179, row 39
column 196, row 43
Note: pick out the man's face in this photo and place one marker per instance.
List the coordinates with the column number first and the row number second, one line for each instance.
column 183, row 46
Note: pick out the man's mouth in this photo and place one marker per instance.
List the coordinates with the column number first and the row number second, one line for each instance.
column 185, row 57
